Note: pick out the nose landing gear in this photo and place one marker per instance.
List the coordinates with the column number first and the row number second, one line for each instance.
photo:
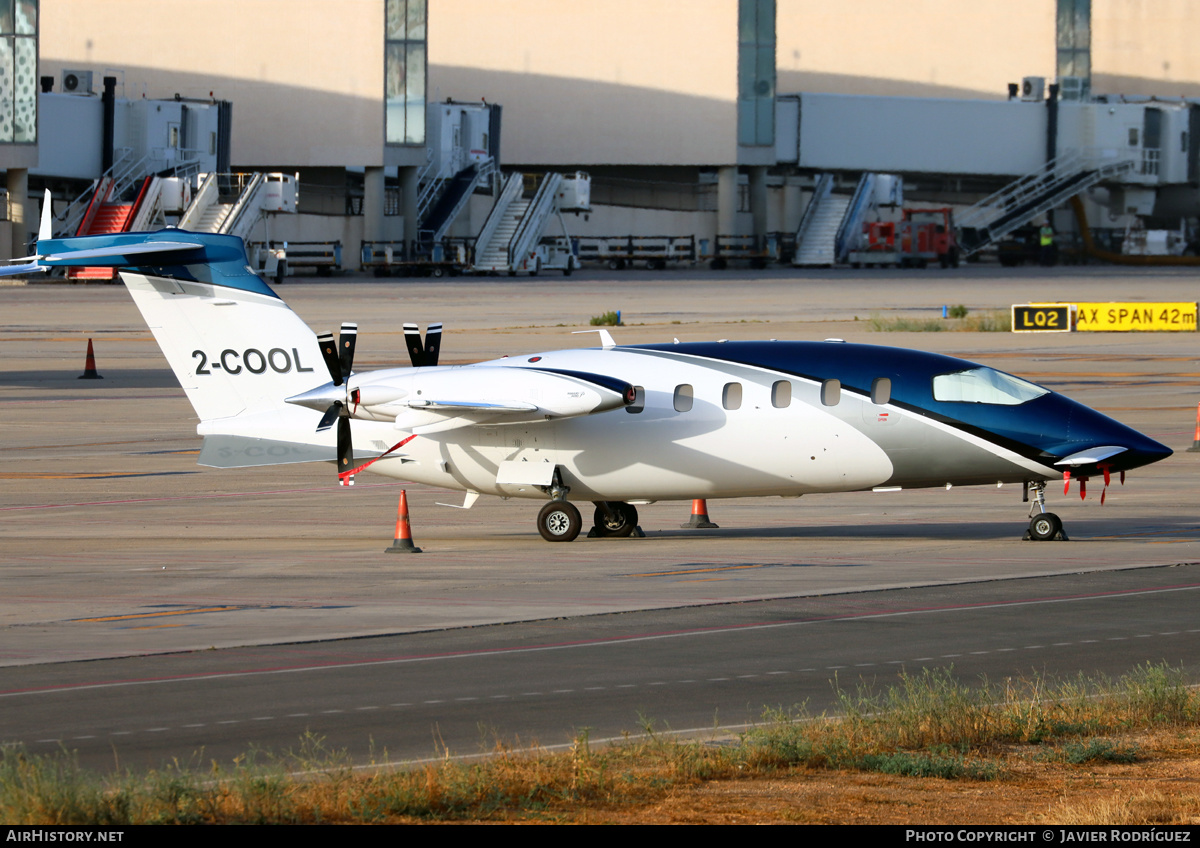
column 1043, row 526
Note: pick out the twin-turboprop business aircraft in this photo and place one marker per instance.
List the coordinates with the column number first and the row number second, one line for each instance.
column 618, row 425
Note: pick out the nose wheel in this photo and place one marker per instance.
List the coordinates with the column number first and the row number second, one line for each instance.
column 1043, row 526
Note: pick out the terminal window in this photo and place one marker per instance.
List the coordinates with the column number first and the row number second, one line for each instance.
column 405, row 61
column 18, row 71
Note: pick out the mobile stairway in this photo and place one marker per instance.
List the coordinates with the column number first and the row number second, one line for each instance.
column 444, row 196
column 1034, row 194
column 234, row 204
column 511, row 238
column 832, row 223
column 228, row 203
column 816, row 237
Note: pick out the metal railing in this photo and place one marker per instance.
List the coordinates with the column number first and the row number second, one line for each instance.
column 850, row 230
column 123, row 174
column 544, row 202
column 1035, row 193
column 513, row 187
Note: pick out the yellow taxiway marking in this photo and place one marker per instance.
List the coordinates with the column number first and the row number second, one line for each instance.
column 138, row 615
column 80, row 475
column 703, row 570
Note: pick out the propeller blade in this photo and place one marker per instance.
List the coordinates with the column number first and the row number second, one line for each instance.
column 345, row 448
column 346, row 343
column 433, row 343
column 330, row 354
column 331, row 415
column 416, row 348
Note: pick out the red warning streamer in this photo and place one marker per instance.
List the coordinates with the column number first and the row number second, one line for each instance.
column 346, row 478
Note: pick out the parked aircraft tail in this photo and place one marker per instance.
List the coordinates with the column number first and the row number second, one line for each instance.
column 237, row 349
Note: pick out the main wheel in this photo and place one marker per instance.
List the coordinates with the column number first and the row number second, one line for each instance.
column 1044, row 527
column 559, row 521
column 622, row 522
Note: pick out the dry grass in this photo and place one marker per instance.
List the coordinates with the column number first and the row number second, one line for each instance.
column 929, row 735
column 991, row 321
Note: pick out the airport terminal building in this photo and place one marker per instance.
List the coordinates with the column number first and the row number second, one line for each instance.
column 688, row 117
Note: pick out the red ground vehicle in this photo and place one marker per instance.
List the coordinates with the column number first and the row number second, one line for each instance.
column 920, row 237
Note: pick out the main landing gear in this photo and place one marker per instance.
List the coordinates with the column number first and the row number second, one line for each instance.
column 560, row 521
column 614, row 519
column 1043, row 526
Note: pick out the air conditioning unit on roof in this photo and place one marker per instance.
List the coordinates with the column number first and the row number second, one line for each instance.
column 77, row 82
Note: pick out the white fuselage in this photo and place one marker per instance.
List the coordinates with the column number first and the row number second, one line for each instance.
column 761, row 447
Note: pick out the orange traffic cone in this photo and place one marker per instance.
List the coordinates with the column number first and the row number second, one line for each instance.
column 699, row 516
column 89, row 365
column 1195, row 448
column 403, row 543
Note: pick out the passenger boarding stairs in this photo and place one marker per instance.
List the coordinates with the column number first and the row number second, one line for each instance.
column 1020, row 202
column 816, row 237
column 510, row 236
column 226, row 203
column 445, row 195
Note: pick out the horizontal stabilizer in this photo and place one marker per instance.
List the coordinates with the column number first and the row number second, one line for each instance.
column 123, row 250
column 17, row 270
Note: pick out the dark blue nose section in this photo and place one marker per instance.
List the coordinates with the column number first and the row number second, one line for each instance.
column 1076, row 429
column 1145, row 452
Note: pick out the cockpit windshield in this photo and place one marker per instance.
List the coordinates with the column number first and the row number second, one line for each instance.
column 985, row 385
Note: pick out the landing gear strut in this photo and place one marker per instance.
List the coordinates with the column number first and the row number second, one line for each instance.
column 1043, row 526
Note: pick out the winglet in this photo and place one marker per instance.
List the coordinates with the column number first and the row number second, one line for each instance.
column 46, row 228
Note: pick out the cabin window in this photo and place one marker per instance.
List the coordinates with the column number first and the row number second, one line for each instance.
column 881, row 390
column 639, row 400
column 831, row 392
column 781, row 394
column 985, row 385
column 731, row 396
column 683, row 398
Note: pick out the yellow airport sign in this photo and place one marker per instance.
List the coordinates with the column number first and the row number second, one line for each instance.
column 1041, row 317
column 1135, row 317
